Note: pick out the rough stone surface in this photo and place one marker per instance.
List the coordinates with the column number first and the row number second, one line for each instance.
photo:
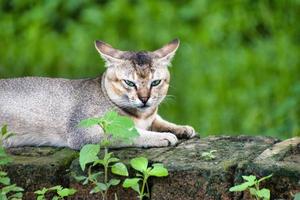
column 36, row 167
column 190, row 175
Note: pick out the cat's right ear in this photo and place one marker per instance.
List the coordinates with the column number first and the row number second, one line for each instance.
column 110, row 55
column 165, row 54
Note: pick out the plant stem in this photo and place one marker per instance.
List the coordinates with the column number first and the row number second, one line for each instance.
column 105, row 173
column 143, row 187
column 105, row 166
column 93, row 181
column 257, row 189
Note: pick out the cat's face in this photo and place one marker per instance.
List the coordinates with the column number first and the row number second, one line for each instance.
column 138, row 80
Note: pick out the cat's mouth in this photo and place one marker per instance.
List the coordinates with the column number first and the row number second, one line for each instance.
column 144, row 106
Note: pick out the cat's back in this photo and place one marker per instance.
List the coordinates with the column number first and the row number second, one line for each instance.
column 39, row 99
column 33, row 91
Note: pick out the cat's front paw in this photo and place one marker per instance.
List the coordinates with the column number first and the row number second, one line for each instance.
column 184, row 132
column 156, row 139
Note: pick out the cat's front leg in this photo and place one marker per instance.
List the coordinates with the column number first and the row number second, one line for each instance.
column 162, row 125
column 154, row 139
column 79, row 137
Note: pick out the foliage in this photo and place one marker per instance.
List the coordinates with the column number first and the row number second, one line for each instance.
column 235, row 72
column 297, row 196
column 209, row 155
column 8, row 190
column 140, row 164
column 119, row 127
column 252, row 184
column 60, row 192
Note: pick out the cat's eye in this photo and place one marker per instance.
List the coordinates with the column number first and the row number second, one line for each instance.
column 129, row 83
column 155, row 83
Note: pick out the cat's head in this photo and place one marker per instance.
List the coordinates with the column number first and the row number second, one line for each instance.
column 137, row 80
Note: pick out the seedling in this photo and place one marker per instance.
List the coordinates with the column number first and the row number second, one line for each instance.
column 8, row 190
column 114, row 127
column 252, row 184
column 209, row 155
column 144, row 172
column 297, row 196
column 60, row 192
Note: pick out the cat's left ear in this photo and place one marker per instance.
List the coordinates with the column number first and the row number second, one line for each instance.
column 110, row 55
column 165, row 54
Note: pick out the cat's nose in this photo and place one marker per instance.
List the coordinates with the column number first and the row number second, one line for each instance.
column 144, row 99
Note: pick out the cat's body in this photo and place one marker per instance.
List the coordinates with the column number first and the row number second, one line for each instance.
column 46, row 111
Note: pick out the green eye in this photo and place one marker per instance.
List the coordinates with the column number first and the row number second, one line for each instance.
column 129, row 83
column 155, row 83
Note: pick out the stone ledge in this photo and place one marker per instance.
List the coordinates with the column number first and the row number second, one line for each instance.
column 190, row 176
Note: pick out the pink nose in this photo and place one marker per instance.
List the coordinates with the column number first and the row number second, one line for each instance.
column 144, row 99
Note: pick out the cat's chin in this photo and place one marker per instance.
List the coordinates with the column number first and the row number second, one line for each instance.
column 143, row 107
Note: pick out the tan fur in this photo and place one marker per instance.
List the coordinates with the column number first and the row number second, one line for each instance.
column 141, row 68
column 46, row 111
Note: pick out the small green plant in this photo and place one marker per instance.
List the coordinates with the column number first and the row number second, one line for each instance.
column 115, row 127
column 297, row 196
column 60, row 192
column 252, row 184
column 209, row 155
column 8, row 190
column 144, row 172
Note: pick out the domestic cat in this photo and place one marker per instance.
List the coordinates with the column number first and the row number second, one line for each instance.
column 46, row 111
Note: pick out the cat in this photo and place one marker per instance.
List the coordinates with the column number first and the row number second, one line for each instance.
column 46, row 111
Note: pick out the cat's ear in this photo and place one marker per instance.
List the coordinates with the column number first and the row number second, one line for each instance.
column 110, row 55
column 165, row 54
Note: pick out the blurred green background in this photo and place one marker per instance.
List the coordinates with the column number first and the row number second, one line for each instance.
column 237, row 70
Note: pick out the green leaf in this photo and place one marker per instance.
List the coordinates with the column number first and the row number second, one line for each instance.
column 98, row 188
column 16, row 196
column 99, row 162
column 113, row 160
column 5, row 160
column 113, row 182
column 86, row 181
column 251, row 179
column 253, row 191
column 94, row 176
column 297, row 196
column 132, row 183
column 158, row 170
column 65, row 192
column 119, row 169
column 239, row 188
column 88, row 154
column 264, row 193
column 2, row 152
column 80, row 178
column 3, row 196
column 41, row 197
column 57, row 187
column 110, row 116
column 55, row 198
column 5, row 180
column 139, row 164
column 2, row 173
column 11, row 188
column 4, row 129
column 90, row 122
column 41, row 192
column 120, row 127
